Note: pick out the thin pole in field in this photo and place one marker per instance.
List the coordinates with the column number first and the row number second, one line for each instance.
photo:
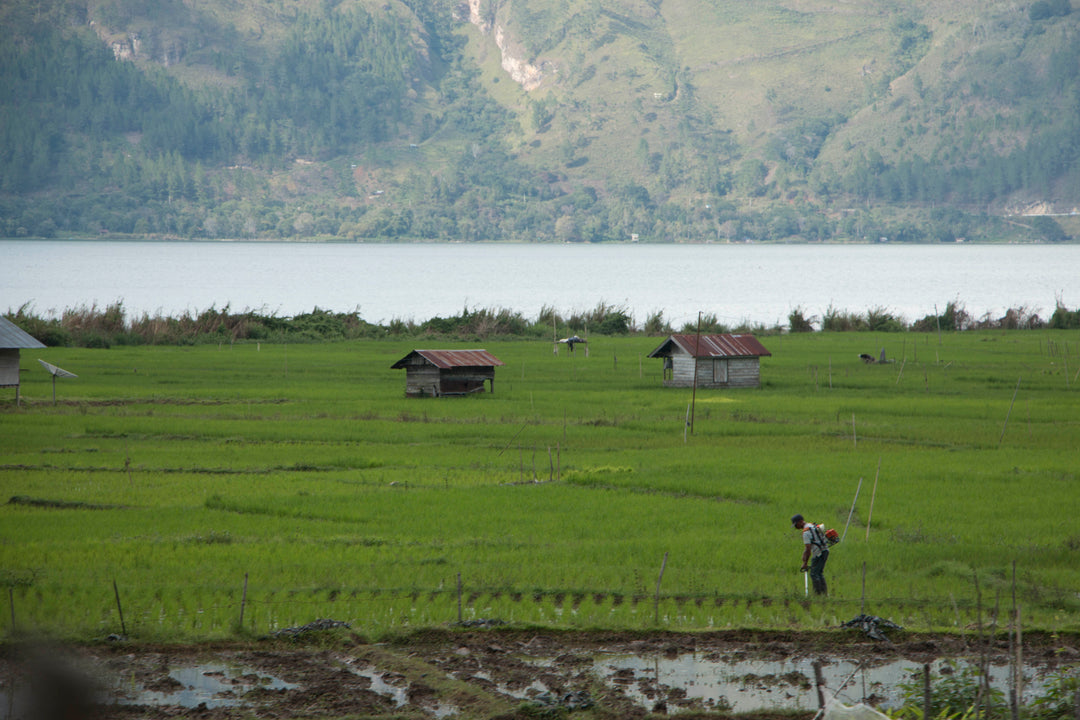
column 819, row 682
column 902, row 364
column 243, row 600
column 872, row 496
column 854, row 438
column 693, row 393
column 11, row 601
column 857, row 489
column 1019, row 676
column 515, row 437
column 656, row 601
column 862, row 603
column 1006, row 424
column 927, row 705
column 686, row 424
column 459, row 598
column 116, row 592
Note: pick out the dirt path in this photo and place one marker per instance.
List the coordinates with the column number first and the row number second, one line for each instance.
column 484, row 674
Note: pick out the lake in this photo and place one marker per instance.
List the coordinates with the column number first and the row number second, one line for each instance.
column 737, row 282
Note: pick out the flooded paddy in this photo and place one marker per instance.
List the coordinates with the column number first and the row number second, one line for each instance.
column 492, row 674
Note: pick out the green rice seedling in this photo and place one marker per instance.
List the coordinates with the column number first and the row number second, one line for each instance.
column 178, row 471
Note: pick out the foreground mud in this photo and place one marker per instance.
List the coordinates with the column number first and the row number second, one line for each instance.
column 487, row 674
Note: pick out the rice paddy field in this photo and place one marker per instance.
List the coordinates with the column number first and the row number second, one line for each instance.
column 207, row 492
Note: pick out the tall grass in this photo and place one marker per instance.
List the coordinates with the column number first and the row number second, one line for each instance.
column 95, row 327
column 178, row 471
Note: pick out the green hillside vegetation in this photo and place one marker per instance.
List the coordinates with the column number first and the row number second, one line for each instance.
column 177, row 472
column 686, row 122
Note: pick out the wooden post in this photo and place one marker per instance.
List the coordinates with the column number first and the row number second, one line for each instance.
column 243, row 601
column 693, row 393
column 927, row 702
column 1020, row 662
column 123, row 627
column 873, row 495
column 819, row 682
column 852, row 512
column 656, row 601
column 862, row 603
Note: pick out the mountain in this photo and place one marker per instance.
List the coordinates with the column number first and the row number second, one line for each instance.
column 541, row 120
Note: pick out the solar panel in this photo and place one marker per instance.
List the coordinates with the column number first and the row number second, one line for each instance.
column 55, row 371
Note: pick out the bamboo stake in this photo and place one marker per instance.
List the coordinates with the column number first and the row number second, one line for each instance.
column 857, row 489
column 123, row 627
column 927, row 704
column 656, row 601
column 459, row 598
column 902, row 364
column 243, row 600
column 1006, row 424
column 819, row 682
column 873, row 495
column 862, row 603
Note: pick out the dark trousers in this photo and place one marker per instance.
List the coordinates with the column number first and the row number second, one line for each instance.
column 817, row 573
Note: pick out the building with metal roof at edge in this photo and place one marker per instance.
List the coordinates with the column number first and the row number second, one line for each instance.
column 12, row 340
column 719, row 361
column 435, row 373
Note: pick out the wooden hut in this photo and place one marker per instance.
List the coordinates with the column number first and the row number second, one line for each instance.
column 719, row 361
column 12, row 340
column 436, row 373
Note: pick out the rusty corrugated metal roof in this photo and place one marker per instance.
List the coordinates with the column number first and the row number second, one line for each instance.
column 453, row 358
column 13, row 336
column 725, row 345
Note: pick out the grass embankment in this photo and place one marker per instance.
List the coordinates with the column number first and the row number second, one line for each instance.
column 179, row 472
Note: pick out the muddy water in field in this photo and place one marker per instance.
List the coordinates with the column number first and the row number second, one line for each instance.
column 486, row 675
column 739, row 685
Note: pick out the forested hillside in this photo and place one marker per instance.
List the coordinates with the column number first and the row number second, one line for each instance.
column 540, row 120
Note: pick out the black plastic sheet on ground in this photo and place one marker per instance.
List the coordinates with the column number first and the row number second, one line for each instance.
column 871, row 625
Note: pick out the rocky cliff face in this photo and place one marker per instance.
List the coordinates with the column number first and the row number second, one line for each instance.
column 528, row 76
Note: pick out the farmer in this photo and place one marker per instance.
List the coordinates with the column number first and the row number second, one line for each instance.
column 816, row 548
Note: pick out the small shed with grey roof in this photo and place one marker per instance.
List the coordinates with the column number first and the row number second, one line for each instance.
column 435, row 373
column 12, row 340
column 719, row 361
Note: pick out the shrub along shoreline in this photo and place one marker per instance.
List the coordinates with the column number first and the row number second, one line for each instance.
column 95, row 327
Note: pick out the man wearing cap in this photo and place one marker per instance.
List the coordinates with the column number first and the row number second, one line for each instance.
column 816, row 553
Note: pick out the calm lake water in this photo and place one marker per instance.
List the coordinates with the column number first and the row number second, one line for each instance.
column 758, row 283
